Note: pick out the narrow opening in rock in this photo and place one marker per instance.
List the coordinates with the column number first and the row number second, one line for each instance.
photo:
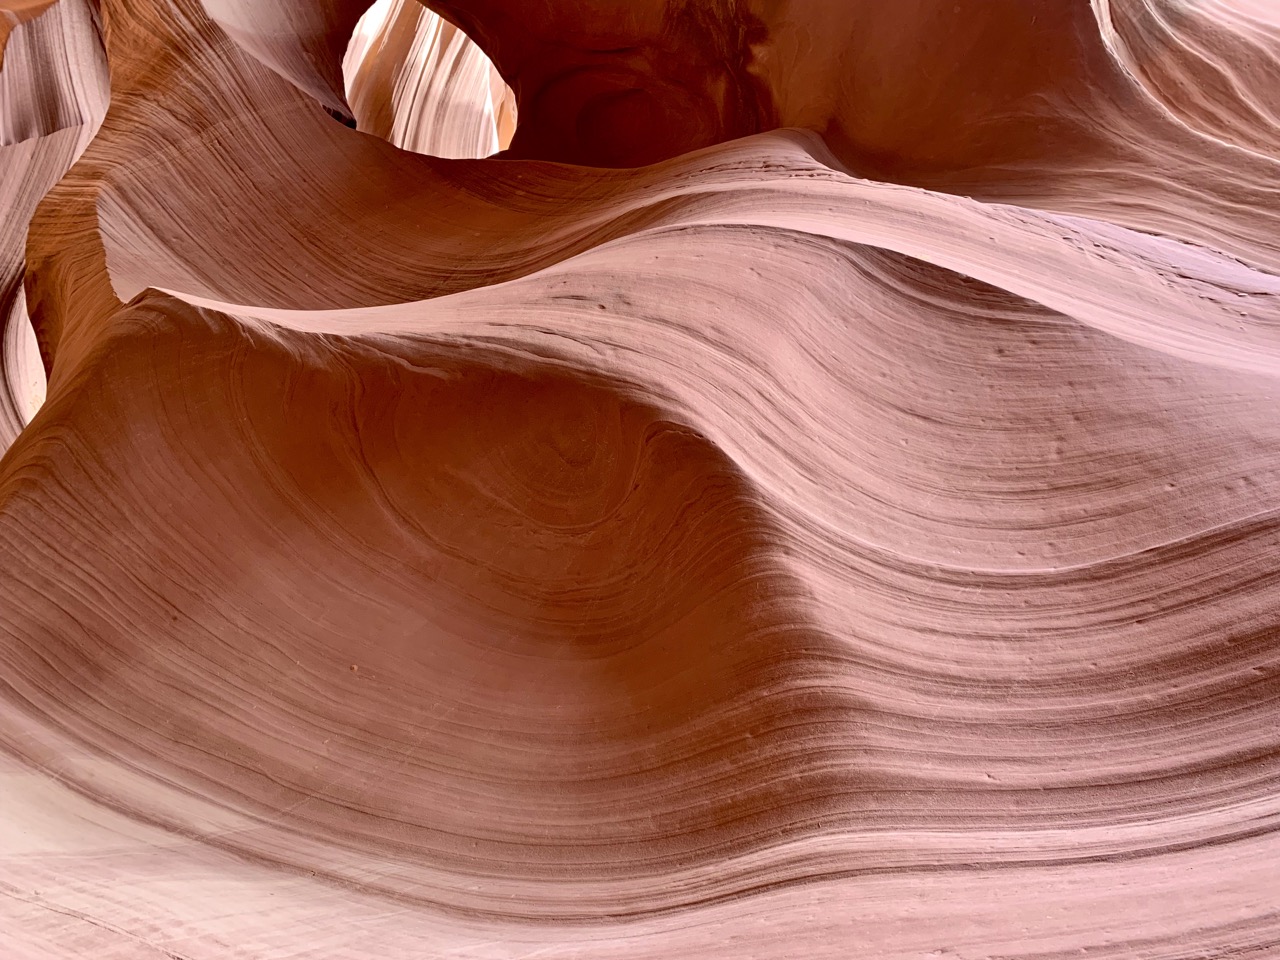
column 417, row 81
column 23, row 374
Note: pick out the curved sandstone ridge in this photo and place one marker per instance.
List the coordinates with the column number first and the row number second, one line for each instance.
column 813, row 493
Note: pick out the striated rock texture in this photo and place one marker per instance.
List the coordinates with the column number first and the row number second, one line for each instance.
column 813, row 492
column 415, row 79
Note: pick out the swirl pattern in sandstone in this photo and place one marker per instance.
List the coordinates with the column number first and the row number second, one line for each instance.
column 815, row 492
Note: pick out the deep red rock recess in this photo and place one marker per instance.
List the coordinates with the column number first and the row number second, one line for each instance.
column 812, row 492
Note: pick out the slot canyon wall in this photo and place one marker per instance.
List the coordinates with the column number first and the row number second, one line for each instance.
column 669, row 479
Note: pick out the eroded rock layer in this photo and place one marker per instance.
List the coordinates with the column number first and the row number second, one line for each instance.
column 813, row 492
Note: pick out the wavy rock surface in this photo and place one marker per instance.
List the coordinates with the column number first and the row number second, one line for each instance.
column 53, row 93
column 813, row 493
column 416, row 80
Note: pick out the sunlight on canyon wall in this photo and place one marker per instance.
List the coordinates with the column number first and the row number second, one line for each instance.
column 417, row 81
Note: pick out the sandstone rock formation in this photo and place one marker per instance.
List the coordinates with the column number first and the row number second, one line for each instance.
column 814, row 491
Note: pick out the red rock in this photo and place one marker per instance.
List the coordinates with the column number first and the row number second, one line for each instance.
column 809, row 493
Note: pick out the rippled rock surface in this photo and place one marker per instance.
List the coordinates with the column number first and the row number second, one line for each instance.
column 639, row 479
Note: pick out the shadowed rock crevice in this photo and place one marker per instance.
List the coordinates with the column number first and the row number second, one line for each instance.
column 629, row 87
